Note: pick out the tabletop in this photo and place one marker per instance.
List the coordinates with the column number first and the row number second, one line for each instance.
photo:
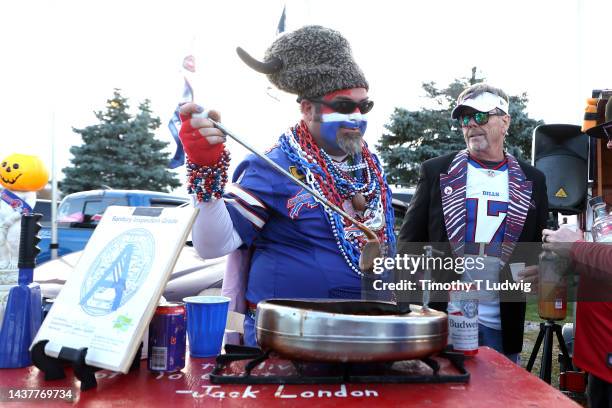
column 494, row 381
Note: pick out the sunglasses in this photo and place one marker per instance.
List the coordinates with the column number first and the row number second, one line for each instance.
column 346, row 106
column 481, row 118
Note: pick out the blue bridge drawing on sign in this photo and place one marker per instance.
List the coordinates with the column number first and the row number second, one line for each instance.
column 117, row 272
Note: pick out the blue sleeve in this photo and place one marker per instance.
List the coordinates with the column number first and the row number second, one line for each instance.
column 255, row 192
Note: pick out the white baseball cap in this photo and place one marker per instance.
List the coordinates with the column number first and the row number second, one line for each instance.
column 484, row 102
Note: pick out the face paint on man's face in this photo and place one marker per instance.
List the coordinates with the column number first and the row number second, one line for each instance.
column 331, row 123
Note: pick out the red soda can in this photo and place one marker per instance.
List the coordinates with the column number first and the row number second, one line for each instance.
column 167, row 337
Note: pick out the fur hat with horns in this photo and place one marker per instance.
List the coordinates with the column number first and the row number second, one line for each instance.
column 310, row 62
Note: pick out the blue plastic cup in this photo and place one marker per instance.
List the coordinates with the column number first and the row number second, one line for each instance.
column 206, row 319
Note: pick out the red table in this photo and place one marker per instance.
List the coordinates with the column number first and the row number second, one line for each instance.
column 494, row 382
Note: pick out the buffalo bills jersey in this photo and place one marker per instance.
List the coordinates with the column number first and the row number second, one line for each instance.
column 296, row 254
column 486, row 208
column 486, row 205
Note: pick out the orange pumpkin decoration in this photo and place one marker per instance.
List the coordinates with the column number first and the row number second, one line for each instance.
column 21, row 172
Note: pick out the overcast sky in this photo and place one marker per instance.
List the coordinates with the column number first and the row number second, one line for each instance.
column 62, row 59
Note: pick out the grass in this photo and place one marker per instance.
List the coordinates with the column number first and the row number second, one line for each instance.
column 531, row 314
column 532, row 327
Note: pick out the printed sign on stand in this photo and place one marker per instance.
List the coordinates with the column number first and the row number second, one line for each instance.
column 107, row 303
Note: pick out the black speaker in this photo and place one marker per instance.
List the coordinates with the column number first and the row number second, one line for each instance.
column 561, row 153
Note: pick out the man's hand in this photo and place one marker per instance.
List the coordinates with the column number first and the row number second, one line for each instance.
column 561, row 240
column 203, row 143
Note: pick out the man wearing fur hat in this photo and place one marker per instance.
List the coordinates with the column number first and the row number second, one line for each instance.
column 482, row 201
column 297, row 247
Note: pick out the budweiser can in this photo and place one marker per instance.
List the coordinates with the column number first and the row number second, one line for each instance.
column 167, row 338
column 463, row 322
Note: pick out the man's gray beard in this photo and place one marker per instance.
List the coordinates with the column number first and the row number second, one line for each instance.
column 350, row 144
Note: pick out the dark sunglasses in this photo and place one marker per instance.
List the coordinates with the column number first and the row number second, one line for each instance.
column 346, row 106
column 481, row 118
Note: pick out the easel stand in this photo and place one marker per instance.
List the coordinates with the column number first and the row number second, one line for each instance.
column 54, row 367
column 547, row 329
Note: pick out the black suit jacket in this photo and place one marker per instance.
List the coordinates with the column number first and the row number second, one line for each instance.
column 425, row 222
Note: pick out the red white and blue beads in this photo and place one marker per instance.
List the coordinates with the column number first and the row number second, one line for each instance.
column 208, row 182
column 337, row 184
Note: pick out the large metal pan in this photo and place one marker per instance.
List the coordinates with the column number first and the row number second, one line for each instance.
column 348, row 330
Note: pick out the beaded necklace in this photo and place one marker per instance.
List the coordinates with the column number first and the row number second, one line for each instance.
column 347, row 185
column 334, row 182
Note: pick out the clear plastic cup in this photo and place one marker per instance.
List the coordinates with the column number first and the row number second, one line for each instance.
column 515, row 268
column 206, row 319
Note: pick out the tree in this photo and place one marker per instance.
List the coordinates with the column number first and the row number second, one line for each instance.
column 121, row 152
column 416, row 136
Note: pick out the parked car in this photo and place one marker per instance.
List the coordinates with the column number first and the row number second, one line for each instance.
column 191, row 276
column 43, row 207
column 401, row 202
column 403, row 194
column 79, row 213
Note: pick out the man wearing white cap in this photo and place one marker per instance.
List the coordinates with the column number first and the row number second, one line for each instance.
column 482, row 201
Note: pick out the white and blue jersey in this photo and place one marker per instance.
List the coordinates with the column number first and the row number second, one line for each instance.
column 486, row 204
column 486, row 207
column 295, row 252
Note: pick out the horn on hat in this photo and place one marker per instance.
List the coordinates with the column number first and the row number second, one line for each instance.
column 270, row 67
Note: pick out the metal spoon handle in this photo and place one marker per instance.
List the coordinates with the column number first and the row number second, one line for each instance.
column 429, row 252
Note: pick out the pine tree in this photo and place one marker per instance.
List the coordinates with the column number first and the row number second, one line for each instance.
column 120, row 152
column 416, row 136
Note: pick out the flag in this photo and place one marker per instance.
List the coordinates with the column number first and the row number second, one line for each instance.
column 174, row 124
column 189, row 63
column 281, row 23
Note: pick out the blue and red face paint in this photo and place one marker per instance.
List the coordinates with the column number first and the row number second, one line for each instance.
column 332, row 122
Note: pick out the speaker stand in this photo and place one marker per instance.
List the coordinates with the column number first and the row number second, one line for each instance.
column 547, row 329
